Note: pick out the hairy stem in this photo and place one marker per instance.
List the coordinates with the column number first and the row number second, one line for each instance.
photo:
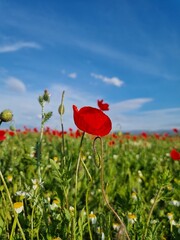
column 103, row 188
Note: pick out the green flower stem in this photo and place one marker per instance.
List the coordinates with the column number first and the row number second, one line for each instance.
column 103, row 188
column 11, row 203
column 151, row 211
column 61, row 112
column 13, row 227
column 76, row 183
column 87, row 210
column 39, row 150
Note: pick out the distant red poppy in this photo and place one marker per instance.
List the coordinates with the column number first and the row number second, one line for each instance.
column 2, row 135
column 103, row 106
column 175, row 155
column 144, row 135
column 175, row 130
column 92, row 120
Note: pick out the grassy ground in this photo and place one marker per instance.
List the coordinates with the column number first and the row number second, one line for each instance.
column 72, row 186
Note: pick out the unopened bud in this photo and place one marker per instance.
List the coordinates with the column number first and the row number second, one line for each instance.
column 6, row 116
column 46, row 96
column 61, row 109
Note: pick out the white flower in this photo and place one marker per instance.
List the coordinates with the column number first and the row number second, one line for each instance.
column 132, row 218
column 170, row 216
column 116, row 226
column 92, row 217
column 54, row 204
column 22, row 194
column 134, row 196
column 18, row 207
column 175, row 203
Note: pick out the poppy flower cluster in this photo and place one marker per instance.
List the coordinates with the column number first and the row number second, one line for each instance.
column 92, row 120
column 175, row 155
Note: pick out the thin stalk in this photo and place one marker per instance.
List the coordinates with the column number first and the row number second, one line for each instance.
column 39, row 150
column 87, row 211
column 103, row 188
column 11, row 203
column 13, row 227
column 76, row 181
column 61, row 112
column 151, row 211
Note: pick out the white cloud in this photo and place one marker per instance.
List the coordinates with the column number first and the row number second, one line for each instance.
column 161, row 119
column 72, row 75
column 130, row 104
column 126, row 115
column 15, row 84
column 114, row 80
column 17, row 46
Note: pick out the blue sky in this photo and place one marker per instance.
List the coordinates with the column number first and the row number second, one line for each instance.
column 123, row 51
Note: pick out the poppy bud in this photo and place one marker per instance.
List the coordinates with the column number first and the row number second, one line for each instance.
column 6, row 116
column 61, row 109
column 46, row 96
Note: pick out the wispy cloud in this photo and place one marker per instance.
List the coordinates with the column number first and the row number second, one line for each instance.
column 72, row 75
column 130, row 104
column 161, row 119
column 15, row 85
column 17, row 46
column 113, row 80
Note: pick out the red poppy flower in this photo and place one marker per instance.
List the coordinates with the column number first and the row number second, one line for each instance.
column 175, row 130
column 103, row 106
column 175, row 155
column 92, row 120
column 2, row 135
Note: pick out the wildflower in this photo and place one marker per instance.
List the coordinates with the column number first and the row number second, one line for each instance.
column 170, row 215
column 35, row 183
column 55, row 159
column 99, row 231
column 18, row 207
column 175, row 203
column 175, row 155
column 71, row 209
column 103, row 106
column 134, row 196
column 92, row 120
column 116, row 226
column 9, row 178
column 2, row 135
column 22, row 194
column 92, row 217
column 54, row 204
column 175, row 130
column 115, row 156
column 132, row 218
column 152, row 200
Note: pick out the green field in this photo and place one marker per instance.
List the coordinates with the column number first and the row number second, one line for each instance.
column 71, row 185
column 117, row 187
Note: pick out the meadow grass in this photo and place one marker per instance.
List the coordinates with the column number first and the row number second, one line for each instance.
column 70, row 185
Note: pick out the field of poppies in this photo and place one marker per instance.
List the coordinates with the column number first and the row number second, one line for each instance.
column 89, row 183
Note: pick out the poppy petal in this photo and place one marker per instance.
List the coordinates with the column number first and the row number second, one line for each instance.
column 92, row 120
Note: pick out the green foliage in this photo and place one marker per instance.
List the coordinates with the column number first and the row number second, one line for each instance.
column 141, row 182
